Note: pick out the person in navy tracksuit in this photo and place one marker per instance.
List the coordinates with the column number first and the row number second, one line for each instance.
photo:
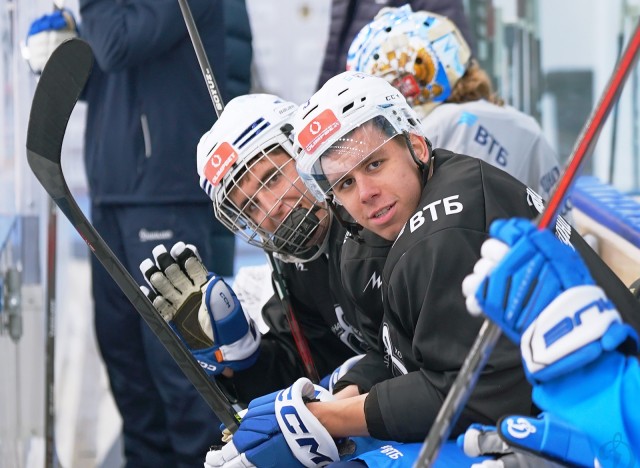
column 147, row 105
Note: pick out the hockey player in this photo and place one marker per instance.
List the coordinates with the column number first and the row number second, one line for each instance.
column 424, row 55
column 245, row 166
column 359, row 141
column 421, row 366
column 579, row 356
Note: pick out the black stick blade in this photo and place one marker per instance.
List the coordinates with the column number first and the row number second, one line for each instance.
column 59, row 88
column 63, row 79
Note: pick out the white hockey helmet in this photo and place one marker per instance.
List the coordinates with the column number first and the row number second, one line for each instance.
column 251, row 143
column 324, row 126
column 423, row 54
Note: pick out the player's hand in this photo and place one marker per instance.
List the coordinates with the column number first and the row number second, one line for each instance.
column 45, row 35
column 201, row 308
column 279, row 430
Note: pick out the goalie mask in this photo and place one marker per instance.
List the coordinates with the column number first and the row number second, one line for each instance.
column 246, row 167
column 421, row 53
column 347, row 120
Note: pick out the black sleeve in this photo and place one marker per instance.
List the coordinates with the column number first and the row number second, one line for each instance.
column 368, row 371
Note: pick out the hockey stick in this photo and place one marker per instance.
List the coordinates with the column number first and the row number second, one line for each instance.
column 59, row 87
column 281, row 286
column 51, row 457
column 50, row 454
column 489, row 333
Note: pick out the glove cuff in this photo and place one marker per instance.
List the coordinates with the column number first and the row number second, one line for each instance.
column 573, row 330
column 307, row 438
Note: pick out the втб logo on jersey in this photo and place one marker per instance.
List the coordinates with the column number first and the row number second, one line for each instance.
column 446, row 206
column 375, row 281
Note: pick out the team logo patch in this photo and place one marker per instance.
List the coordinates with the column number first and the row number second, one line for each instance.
column 320, row 128
column 520, row 428
column 219, row 162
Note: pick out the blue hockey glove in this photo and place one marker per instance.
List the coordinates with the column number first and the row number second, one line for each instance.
column 279, row 430
column 331, row 380
column 528, row 442
column 541, row 294
column 45, row 35
column 201, row 308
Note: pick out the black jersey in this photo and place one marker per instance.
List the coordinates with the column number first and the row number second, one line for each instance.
column 360, row 317
column 361, row 263
column 315, row 304
column 427, row 331
column 315, row 307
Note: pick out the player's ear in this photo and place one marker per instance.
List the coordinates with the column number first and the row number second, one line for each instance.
column 419, row 147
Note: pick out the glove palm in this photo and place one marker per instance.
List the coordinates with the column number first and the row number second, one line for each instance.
column 201, row 308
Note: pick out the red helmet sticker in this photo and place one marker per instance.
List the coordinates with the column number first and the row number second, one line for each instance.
column 320, row 128
column 219, row 162
column 407, row 85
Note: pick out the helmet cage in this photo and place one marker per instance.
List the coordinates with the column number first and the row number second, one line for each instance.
column 299, row 234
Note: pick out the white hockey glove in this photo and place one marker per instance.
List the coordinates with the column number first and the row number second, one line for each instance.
column 201, row 308
column 527, row 442
column 279, row 430
column 541, row 294
column 45, row 35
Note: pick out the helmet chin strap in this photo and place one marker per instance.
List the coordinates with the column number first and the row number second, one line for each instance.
column 352, row 227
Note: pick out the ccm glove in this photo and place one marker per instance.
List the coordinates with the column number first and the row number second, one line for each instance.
column 45, row 35
column 527, row 442
column 279, row 430
column 540, row 292
column 201, row 308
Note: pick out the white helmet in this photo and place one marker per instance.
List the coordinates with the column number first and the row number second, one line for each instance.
column 254, row 134
column 423, row 54
column 346, row 102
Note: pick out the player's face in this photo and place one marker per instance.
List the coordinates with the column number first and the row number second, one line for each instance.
column 269, row 190
column 382, row 191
